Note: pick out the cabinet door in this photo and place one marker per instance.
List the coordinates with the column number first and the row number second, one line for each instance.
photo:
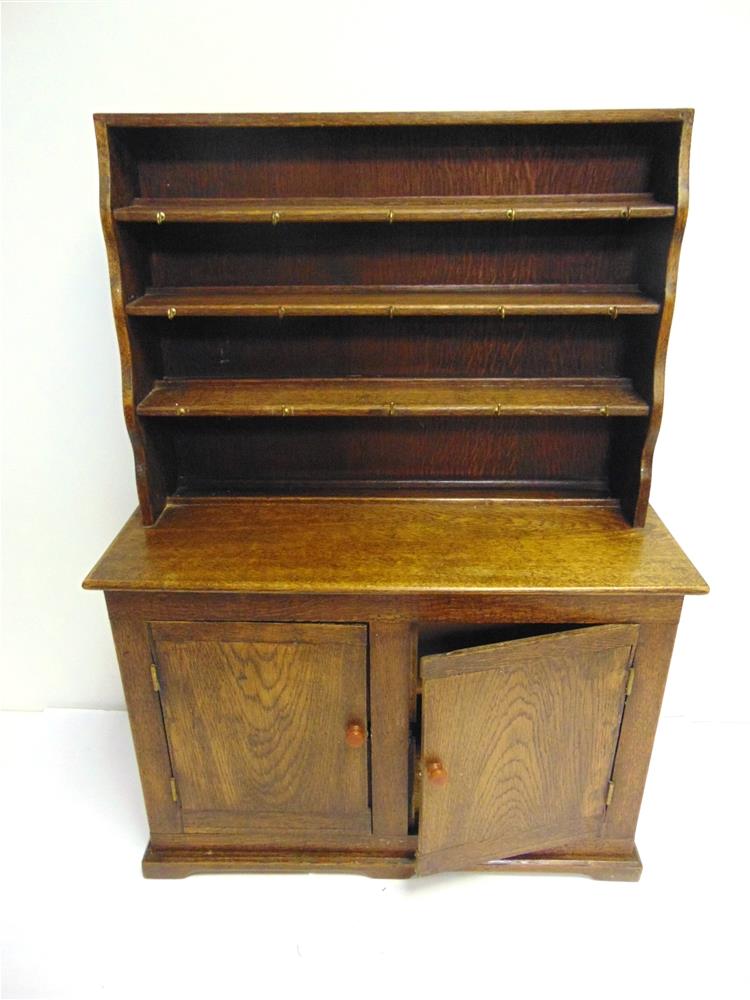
column 266, row 725
column 518, row 742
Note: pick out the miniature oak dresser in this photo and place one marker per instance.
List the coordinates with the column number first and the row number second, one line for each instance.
column 394, row 600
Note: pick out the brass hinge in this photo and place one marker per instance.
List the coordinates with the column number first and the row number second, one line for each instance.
column 610, row 793
column 173, row 786
column 631, row 678
column 155, row 677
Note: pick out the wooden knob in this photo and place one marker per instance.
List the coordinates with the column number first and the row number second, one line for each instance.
column 355, row 735
column 436, row 773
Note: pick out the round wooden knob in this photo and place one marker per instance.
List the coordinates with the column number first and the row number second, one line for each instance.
column 355, row 735
column 436, row 773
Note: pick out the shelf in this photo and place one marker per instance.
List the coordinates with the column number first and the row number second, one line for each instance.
column 394, row 300
column 468, row 208
column 353, row 397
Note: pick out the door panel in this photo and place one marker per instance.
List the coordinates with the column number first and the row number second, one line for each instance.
column 256, row 716
column 518, row 744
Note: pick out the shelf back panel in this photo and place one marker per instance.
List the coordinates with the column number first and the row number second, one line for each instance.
column 432, row 254
column 413, row 347
column 401, row 161
column 262, row 455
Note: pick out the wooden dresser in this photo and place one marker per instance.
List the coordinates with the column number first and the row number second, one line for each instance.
column 394, row 600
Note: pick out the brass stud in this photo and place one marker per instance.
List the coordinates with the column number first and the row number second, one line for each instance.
column 160, row 217
column 511, row 215
column 286, row 411
column 391, row 312
column 497, row 409
column 275, row 218
column 181, row 410
column 282, row 312
column 171, row 312
column 612, row 311
column 604, row 411
column 390, row 216
column 391, row 407
column 625, row 213
column 501, row 311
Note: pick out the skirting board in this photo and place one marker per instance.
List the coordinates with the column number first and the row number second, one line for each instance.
column 176, row 863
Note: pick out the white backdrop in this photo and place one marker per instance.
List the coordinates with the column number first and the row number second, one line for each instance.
column 67, row 472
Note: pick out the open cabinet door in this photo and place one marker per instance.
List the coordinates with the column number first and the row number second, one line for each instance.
column 518, row 744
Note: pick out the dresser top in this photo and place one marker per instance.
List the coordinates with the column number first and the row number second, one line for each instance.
column 323, row 545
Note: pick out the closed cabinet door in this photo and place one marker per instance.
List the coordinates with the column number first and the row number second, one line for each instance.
column 266, row 725
column 518, row 744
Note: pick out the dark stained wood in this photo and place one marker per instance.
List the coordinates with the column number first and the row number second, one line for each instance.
column 356, row 118
column 256, row 716
column 117, row 182
column 393, row 301
column 519, row 740
column 405, row 347
column 535, row 457
column 394, row 284
column 498, row 215
column 347, row 546
column 425, row 209
column 639, row 498
column 501, row 655
column 357, row 397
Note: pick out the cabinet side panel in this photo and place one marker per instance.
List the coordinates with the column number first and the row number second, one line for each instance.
column 640, row 718
column 146, row 723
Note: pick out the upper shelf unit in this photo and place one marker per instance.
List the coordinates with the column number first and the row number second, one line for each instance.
column 433, row 271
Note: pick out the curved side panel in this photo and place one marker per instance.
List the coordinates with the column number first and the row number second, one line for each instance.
column 662, row 340
column 149, row 504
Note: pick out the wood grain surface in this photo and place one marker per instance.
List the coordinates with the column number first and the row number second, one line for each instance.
column 396, row 300
column 256, row 718
column 160, row 211
column 526, row 744
column 388, row 546
column 392, row 397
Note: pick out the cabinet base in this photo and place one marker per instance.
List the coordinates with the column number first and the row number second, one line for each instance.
column 178, row 863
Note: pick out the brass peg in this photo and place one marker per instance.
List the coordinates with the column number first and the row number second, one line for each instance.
column 391, row 407
column 282, row 312
column 181, row 410
column 275, row 218
column 498, row 407
column 501, row 311
column 390, row 215
column 171, row 312
column 625, row 213
column 160, row 217
column 391, row 312
column 604, row 411
column 286, row 411
column 511, row 215
column 612, row 311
